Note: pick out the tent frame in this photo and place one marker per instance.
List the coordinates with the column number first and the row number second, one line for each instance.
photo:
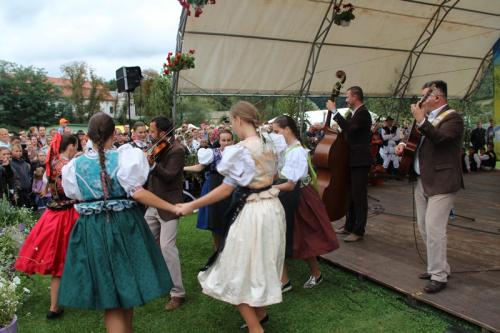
column 443, row 9
column 420, row 45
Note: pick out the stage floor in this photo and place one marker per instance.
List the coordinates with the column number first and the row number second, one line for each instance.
column 389, row 255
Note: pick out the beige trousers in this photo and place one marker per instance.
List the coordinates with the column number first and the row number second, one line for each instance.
column 166, row 233
column 432, row 219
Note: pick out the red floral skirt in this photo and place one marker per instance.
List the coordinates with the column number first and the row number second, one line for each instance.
column 313, row 234
column 44, row 250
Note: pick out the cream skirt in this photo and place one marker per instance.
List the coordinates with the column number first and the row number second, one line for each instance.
column 249, row 268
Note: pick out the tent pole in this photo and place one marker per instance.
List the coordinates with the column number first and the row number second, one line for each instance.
column 178, row 48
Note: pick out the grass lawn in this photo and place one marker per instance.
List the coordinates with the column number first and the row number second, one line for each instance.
column 341, row 303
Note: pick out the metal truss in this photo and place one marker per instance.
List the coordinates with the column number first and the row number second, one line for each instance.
column 314, row 53
column 478, row 77
column 432, row 26
column 178, row 48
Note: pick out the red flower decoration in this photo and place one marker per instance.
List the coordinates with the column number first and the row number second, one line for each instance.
column 197, row 5
column 178, row 62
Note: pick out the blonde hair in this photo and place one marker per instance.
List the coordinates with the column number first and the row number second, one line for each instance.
column 247, row 112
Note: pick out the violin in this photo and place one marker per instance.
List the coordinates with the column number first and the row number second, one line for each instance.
column 330, row 159
column 410, row 150
column 162, row 144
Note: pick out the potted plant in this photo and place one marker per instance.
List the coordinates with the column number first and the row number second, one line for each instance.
column 178, row 62
column 343, row 16
column 11, row 297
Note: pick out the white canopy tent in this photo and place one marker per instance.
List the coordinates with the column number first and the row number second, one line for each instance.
column 290, row 47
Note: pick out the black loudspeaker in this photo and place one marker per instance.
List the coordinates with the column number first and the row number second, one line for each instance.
column 128, row 78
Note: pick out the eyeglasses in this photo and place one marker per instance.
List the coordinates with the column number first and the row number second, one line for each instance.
column 437, row 95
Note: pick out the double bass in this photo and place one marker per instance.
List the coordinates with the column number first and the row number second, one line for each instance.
column 330, row 159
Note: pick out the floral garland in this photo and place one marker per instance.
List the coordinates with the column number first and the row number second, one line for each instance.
column 197, row 5
column 178, row 62
column 344, row 15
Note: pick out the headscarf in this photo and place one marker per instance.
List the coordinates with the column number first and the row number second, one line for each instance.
column 52, row 154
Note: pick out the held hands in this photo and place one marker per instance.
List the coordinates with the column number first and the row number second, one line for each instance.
column 330, row 105
column 183, row 209
column 418, row 113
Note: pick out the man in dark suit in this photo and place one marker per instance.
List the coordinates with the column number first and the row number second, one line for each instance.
column 438, row 168
column 357, row 126
column 165, row 180
column 478, row 137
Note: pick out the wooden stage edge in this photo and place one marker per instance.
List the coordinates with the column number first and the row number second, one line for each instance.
column 390, row 255
column 484, row 326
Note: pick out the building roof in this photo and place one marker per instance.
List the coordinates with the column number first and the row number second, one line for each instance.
column 65, row 85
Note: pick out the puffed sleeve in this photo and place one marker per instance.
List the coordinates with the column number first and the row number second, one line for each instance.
column 295, row 166
column 133, row 168
column 278, row 141
column 237, row 166
column 205, row 156
column 69, row 183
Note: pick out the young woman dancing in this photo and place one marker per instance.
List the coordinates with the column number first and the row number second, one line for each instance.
column 113, row 262
column 209, row 217
column 44, row 251
column 312, row 234
column 248, row 268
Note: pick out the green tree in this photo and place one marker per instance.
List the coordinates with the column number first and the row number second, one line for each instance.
column 26, row 98
column 144, row 93
column 76, row 72
column 98, row 93
column 157, row 97
column 85, row 97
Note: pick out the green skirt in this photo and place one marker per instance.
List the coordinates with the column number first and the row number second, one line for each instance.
column 112, row 263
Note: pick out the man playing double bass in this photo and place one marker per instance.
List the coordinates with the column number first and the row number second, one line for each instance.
column 357, row 125
column 437, row 165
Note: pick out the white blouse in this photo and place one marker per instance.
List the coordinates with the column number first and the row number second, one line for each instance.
column 205, row 156
column 237, row 165
column 295, row 165
column 132, row 172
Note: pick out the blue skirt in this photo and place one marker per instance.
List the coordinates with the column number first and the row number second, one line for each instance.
column 203, row 212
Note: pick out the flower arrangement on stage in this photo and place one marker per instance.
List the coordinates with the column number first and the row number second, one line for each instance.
column 178, row 62
column 343, row 15
column 196, row 4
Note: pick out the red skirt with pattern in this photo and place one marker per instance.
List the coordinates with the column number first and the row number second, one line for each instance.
column 313, row 234
column 44, row 250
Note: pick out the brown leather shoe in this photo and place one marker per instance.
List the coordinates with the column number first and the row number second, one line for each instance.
column 174, row 303
column 433, row 287
column 342, row 231
column 353, row 238
column 425, row 276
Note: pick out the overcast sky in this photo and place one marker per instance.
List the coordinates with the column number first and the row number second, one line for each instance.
column 106, row 34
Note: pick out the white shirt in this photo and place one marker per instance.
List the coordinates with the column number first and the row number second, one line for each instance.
column 295, row 166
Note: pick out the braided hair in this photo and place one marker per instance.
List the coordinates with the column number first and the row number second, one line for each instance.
column 101, row 128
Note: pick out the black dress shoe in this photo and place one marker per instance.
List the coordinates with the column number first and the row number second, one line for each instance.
column 54, row 315
column 262, row 321
column 433, row 287
column 424, row 276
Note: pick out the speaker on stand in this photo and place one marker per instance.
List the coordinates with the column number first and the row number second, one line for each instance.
column 127, row 79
